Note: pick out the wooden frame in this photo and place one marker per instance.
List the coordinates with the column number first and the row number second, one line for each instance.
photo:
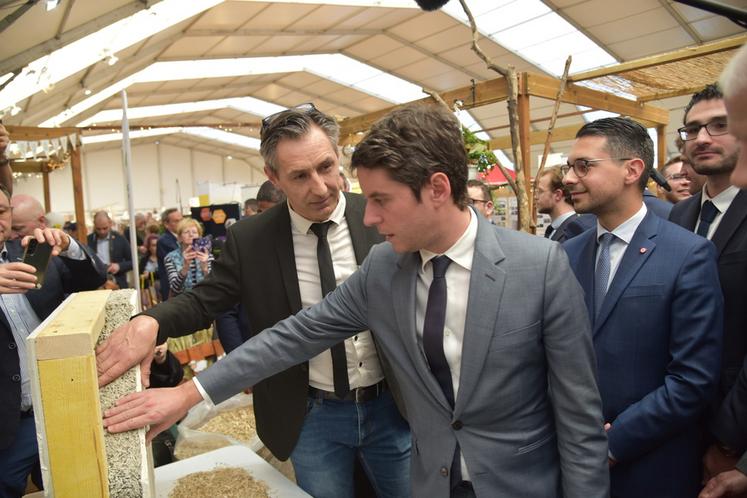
column 64, row 381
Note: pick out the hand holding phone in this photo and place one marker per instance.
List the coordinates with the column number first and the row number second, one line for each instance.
column 37, row 255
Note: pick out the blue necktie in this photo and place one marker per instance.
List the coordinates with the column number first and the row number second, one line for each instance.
column 602, row 273
column 433, row 327
column 328, row 281
column 708, row 213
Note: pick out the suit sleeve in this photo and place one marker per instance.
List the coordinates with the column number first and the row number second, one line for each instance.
column 576, row 402
column 730, row 425
column 696, row 331
column 125, row 264
column 341, row 314
column 82, row 275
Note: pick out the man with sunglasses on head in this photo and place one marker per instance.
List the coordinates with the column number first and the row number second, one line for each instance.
column 655, row 305
column 337, row 407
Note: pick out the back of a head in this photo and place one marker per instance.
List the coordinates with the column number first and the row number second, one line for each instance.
column 27, row 207
column 555, row 174
column 625, row 139
column 414, row 142
column 268, row 192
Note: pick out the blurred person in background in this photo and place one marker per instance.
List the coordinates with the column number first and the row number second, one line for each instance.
column 677, row 179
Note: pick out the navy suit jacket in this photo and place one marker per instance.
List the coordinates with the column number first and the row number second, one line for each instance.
column 659, row 207
column 730, row 240
column 658, row 345
column 63, row 276
column 119, row 252
column 573, row 226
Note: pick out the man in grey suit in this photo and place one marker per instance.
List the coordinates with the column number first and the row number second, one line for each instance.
column 484, row 330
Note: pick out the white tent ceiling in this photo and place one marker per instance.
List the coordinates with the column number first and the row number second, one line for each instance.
column 388, row 37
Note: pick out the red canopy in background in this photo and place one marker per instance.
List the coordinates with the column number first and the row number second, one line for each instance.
column 495, row 177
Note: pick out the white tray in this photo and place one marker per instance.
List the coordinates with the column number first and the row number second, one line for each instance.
column 230, row 456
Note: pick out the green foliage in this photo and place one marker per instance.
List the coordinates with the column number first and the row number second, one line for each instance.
column 478, row 152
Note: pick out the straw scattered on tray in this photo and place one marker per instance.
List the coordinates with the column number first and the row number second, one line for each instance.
column 229, row 482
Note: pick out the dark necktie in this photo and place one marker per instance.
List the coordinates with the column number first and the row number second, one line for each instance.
column 708, row 213
column 602, row 273
column 327, row 277
column 548, row 231
column 433, row 328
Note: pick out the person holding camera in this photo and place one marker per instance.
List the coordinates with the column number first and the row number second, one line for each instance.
column 189, row 263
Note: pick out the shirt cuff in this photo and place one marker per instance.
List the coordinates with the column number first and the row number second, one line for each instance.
column 73, row 251
column 203, row 393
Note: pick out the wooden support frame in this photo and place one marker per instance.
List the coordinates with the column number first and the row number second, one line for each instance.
column 65, row 393
column 80, row 212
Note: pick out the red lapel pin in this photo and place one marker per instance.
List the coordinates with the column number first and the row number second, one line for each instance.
column 643, row 250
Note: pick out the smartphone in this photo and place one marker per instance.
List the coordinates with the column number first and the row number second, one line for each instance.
column 37, row 255
column 202, row 244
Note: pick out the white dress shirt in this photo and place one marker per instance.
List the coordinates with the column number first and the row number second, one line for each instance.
column 457, row 291
column 364, row 368
column 102, row 250
column 722, row 202
column 623, row 235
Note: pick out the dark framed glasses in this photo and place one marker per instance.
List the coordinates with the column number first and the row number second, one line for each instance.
column 581, row 167
column 717, row 127
column 305, row 107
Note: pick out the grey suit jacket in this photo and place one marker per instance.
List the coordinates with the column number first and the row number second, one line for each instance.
column 530, row 421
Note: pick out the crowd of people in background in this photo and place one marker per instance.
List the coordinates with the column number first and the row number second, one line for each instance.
column 608, row 360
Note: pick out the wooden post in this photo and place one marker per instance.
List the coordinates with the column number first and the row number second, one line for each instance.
column 524, row 141
column 80, row 213
column 45, row 183
column 661, row 139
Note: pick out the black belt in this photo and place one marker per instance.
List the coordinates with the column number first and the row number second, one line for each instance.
column 28, row 413
column 358, row 394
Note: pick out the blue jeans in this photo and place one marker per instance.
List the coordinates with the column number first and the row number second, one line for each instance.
column 335, row 432
column 19, row 460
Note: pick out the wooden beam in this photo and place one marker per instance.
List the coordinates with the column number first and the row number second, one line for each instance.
column 526, row 149
column 661, row 145
column 547, row 87
column 688, row 90
column 483, row 93
column 80, row 213
column 657, row 60
column 28, row 133
column 561, row 134
column 47, row 194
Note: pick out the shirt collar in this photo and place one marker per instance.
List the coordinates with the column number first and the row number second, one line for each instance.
column 723, row 200
column 560, row 219
column 625, row 230
column 302, row 225
column 462, row 251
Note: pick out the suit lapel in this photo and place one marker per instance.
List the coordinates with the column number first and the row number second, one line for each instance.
column 485, row 292
column 283, row 240
column 638, row 251
column 354, row 217
column 585, row 267
column 691, row 214
column 404, row 304
column 731, row 220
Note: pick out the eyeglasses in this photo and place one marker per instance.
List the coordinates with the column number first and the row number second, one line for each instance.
column 472, row 201
column 581, row 166
column 304, row 108
column 714, row 128
column 677, row 177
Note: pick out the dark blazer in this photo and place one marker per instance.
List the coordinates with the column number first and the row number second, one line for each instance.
column 166, row 243
column 659, row 207
column 572, row 226
column 63, row 276
column 259, row 260
column 658, row 343
column 730, row 425
column 731, row 243
column 119, row 252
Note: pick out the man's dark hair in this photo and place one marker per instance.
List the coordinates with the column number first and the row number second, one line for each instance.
column 5, row 191
column 294, row 124
column 483, row 187
column 166, row 213
column 625, row 138
column 270, row 193
column 710, row 92
column 556, row 182
column 414, row 142
column 252, row 204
